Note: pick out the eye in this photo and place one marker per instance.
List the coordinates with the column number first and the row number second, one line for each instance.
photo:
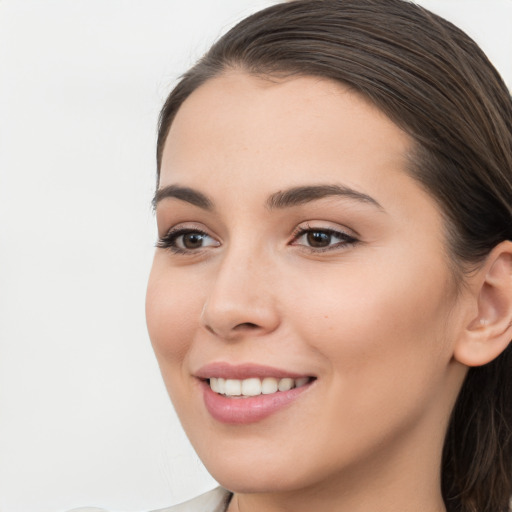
column 186, row 240
column 322, row 239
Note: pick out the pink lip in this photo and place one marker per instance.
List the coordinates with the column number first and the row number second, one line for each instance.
column 244, row 371
column 242, row 411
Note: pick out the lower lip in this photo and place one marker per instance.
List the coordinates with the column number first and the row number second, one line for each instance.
column 242, row 411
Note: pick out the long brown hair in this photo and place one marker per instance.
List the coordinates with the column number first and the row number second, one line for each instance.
column 435, row 83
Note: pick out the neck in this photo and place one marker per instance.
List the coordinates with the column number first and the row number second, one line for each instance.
column 390, row 499
column 405, row 479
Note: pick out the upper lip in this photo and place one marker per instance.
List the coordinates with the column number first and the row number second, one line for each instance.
column 244, row 371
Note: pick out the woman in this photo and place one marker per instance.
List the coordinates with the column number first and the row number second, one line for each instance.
column 330, row 301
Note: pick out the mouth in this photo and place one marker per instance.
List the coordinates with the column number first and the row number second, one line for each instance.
column 248, row 393
column 254, row 386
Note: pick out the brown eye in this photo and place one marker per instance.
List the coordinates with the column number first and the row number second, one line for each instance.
column 192, row 240
column 318, row 239
column 187, row 241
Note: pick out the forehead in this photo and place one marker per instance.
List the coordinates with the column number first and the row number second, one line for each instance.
column 251, row 133
column 240, row 139
column 245, row 123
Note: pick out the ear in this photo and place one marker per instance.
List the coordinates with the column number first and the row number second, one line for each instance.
column 489, row 333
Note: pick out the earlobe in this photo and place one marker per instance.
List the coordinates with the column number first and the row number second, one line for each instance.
column 489, row 333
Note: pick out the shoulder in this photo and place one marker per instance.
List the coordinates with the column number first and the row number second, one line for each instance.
column 216, row 500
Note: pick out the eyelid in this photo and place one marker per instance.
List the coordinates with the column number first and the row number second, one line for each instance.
column 167, row 241
column 347, row 237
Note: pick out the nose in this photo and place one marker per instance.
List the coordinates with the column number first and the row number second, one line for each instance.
column 241, row 300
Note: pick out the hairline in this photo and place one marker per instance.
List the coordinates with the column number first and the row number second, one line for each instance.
column 415, row 157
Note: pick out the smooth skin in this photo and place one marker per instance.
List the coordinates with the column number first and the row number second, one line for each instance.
column 355, row 288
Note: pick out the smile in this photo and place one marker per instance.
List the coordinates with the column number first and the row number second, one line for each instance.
column 254, row 386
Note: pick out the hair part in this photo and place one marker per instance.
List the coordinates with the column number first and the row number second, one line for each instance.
column 437, row 85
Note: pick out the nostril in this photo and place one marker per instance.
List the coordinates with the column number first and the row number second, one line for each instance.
column 246, row 326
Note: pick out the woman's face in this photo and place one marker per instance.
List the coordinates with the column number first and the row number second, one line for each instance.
column 295, row 250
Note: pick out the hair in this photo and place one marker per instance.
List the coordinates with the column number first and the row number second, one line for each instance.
column 437, row 85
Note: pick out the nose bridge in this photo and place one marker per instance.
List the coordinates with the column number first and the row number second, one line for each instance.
column 240, row 298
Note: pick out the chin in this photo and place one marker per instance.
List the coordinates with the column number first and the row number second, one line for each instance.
column 247, row 479
column 248, row 467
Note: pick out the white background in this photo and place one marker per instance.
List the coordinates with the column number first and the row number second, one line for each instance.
column 84, row 417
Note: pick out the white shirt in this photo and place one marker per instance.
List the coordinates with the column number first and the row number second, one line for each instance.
column 216, row 500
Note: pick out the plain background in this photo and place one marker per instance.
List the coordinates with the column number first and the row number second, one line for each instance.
column 84, row 417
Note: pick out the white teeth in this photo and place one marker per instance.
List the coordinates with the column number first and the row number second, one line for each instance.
column 301, row 382
column 233, row 387
column 214, row 384
column 255, row 386
column 251, row 387
column 269, row 385
column 285, row 384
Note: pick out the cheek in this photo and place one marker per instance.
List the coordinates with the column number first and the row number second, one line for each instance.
column 383, row 321
column 172, row 311
column 383, row 342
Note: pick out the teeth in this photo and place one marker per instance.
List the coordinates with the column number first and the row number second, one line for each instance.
column 301, row 382
column 214, row 384
column 269, row 385
column 255, row 386
column 233, row 387
column 285, row 384
column 251, row 387
column 221, row 386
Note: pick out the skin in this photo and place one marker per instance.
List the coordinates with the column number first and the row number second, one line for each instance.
column 376, row 321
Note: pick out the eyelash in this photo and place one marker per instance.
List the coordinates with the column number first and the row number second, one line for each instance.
column 346, row 240
column 169, row 240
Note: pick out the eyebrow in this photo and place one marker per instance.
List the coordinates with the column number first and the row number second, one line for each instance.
column 300, row 195
column 186, row 194
column 295, row 196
